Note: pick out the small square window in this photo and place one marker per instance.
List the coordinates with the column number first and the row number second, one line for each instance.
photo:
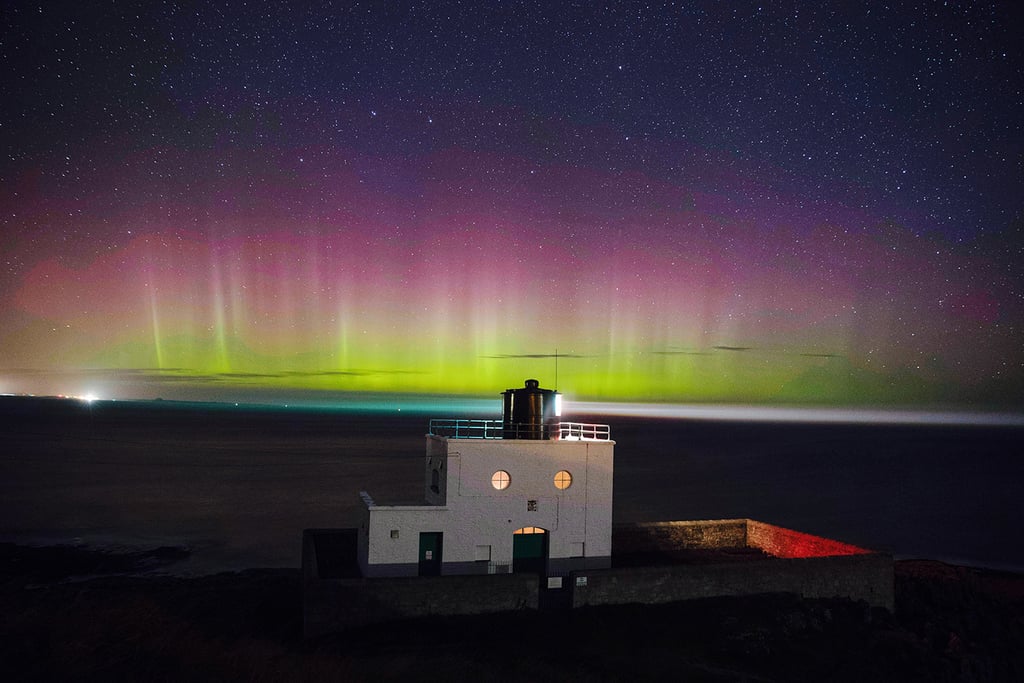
column 394, row 533
column 531, row 506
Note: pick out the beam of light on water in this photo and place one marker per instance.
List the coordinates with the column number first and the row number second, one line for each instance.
column 793, row 414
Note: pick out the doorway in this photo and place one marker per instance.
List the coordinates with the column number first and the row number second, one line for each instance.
column 530, row 550
column 431, row 543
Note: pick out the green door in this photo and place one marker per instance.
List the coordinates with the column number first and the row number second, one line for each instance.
column 530, row 552
column 430, row 553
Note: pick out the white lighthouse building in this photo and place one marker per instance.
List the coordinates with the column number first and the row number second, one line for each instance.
column 525, row 493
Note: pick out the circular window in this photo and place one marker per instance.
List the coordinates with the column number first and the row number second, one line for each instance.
column 563, row 480
column 500, row 480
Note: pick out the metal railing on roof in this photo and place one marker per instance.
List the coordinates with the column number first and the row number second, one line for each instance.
column 467, row 429
column 496, row 429
column 581, row 431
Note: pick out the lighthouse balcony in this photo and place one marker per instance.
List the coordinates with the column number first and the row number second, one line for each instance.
column 498, row 429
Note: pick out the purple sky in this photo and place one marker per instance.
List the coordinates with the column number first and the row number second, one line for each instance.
column 697, row 202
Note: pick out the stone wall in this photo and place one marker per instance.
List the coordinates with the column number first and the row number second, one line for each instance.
column 780, row 542
column 867, row 577
column 784, row 561
column 647, row 537
column 336, row 598
column 330, row 606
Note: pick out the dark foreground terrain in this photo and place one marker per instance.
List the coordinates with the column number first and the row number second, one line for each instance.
column 76, row 614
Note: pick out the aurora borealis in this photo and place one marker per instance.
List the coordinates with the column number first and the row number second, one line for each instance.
column 688, row 203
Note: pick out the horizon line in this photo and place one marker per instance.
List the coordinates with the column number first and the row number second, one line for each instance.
column 732, row 412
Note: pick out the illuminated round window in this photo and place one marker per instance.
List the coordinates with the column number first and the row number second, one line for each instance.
column 500, row 480
column 563, row 480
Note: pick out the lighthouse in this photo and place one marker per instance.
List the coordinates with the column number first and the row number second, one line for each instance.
column 526, row 493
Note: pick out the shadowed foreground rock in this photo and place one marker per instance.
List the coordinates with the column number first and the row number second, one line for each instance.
column 950, row 623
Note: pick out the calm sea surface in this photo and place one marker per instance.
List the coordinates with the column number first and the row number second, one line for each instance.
column 237, row 485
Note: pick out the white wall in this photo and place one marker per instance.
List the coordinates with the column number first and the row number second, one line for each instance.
column 409, row 521
column 580, row 514
column 471, row 513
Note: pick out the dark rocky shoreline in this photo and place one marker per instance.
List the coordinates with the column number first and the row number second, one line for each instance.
column 79, row 614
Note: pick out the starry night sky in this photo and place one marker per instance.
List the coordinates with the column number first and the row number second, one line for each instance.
column 741, row 202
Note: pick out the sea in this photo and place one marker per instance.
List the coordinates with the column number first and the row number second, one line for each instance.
column 236, row 484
